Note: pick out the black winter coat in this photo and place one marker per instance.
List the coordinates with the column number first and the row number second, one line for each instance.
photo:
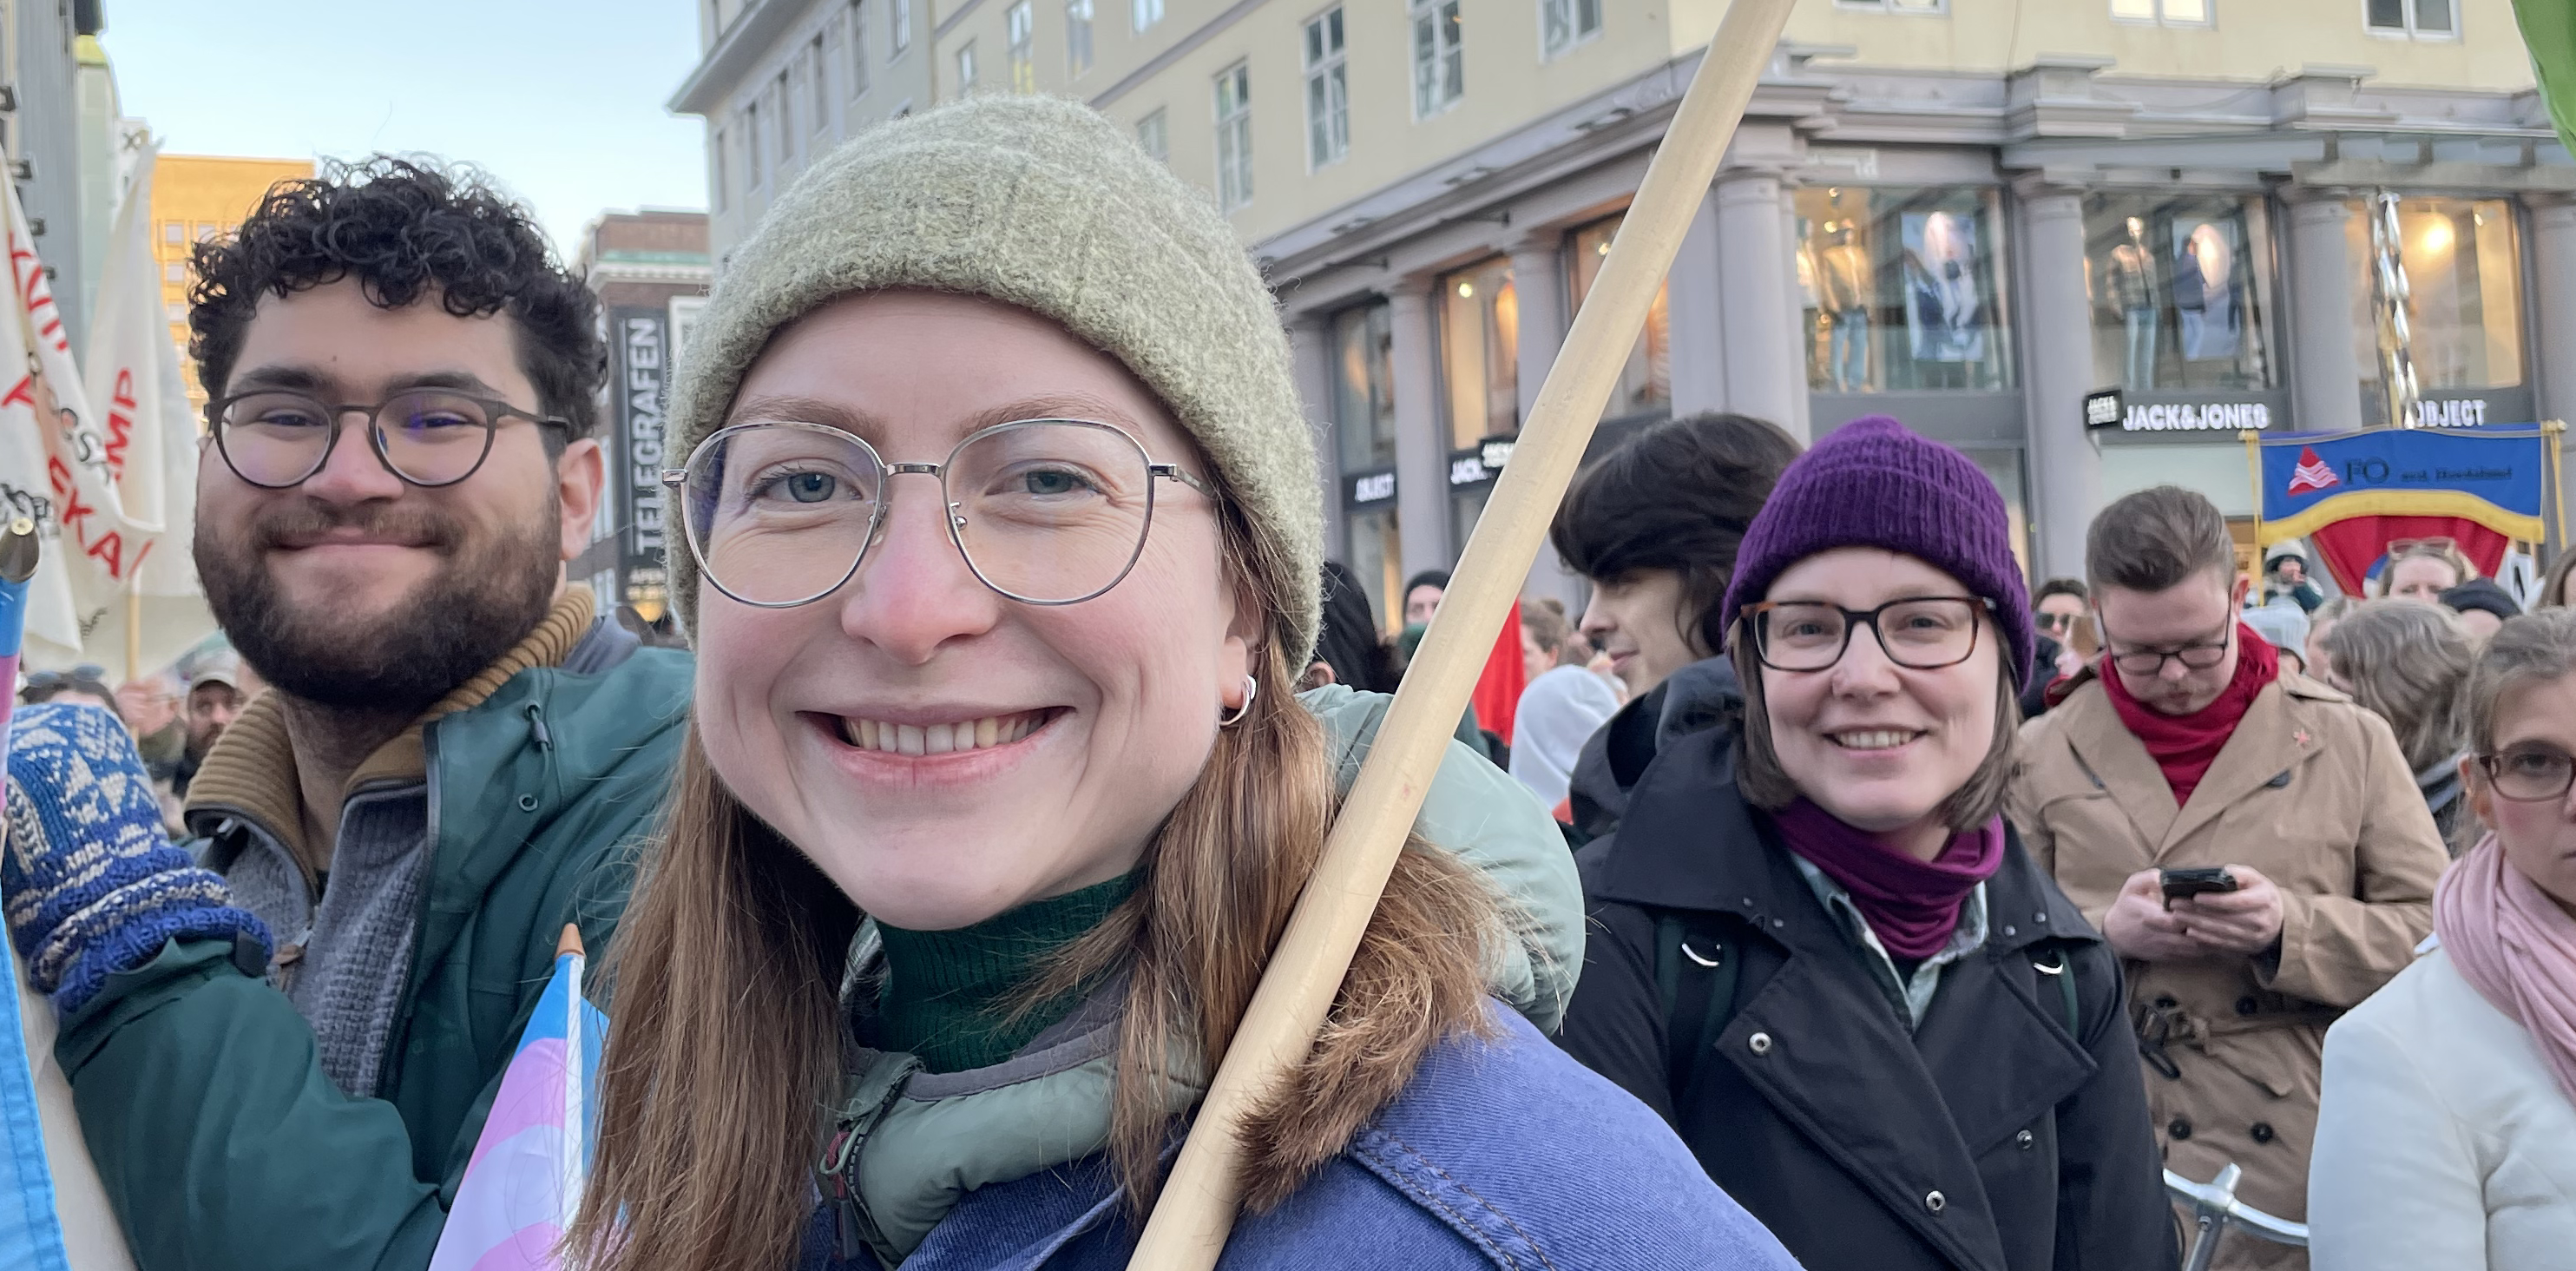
column 1698, row 696
column 1987, row 1140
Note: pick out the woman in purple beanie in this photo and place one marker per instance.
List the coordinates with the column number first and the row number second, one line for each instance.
column 1821, row 953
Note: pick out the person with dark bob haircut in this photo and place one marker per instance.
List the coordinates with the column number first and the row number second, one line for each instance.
column 306, row 1011
column 1655, row 525
column 406, row 231
column 1819, row 951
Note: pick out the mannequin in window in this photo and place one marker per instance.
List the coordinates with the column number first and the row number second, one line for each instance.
column 1842, row 277
column 2205, row 294
column 1815, row 327
column 2131, row 279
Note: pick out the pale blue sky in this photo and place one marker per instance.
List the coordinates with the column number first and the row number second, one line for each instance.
column 559, row 99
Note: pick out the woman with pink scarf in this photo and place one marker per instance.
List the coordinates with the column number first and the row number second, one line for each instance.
column 2447, row 1137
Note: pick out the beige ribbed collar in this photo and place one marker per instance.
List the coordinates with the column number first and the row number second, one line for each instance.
column 251, row 770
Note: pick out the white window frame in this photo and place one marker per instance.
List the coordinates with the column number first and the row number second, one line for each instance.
column 1328, row 87
column 1901, row 8
column 2160, row 13
column 717, row 179
column 1572, row 14
column 966, row 68
column 858, row 49
column 1078, row 50
column 1020, row 46
column 1234, row 138
column 2413, row 11
column 783, row 99
column 898, row 28
column 819, row 65
column 1154, row 134
column 1431, row 54
column 1143, row 14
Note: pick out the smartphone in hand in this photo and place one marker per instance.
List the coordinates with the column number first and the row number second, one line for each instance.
column 2179, row 883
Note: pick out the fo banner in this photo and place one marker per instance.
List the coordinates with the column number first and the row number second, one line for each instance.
column 2495, row 477
column 642, row 341
column 2353, row 493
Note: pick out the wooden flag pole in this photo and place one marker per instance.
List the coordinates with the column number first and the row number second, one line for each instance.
column 134, row 627
column 1190, row 1224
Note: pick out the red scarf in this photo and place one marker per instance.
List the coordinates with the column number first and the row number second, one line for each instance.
column 2185, row 745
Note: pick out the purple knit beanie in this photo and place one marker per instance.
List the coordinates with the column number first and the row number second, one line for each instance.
column 1875, row 483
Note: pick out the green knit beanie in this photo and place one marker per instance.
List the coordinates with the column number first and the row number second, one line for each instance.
column 1049, row 206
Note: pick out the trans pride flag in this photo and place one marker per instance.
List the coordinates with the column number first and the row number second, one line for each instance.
column 525, row 1178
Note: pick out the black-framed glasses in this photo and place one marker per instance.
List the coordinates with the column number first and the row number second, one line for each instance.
column 2530, row 774
column 277, row 439
column 2199, row 655
column 1919, row 633
column 2047, row 621
column 86, row 674
column 1045, row 511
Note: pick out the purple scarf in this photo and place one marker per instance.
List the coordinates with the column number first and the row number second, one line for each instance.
column 1912, row 905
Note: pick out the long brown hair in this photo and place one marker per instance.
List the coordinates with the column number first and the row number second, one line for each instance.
column 724, row 1050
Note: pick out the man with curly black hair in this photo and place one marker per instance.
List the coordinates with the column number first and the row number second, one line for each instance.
column 457, row 753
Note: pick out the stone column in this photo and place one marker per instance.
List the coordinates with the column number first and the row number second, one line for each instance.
column 2057, row 339
column 2553, row 311
column 2553, row 303
column 1801, row 421
column 1310, row 356
column 1421, row 446
column 1538, row 284
column 1695, row 307
column 1765, row 377
column 2325, row 373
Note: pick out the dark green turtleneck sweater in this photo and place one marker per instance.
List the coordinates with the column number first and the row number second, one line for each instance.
column 947, row 993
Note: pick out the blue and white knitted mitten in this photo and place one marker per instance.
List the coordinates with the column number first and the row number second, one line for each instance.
column 92, row 884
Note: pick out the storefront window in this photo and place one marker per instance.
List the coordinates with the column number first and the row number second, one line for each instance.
column 1364, row 386
column 1902, row 289
column 1465, row 505
column 1364, row 426
column 1480, row 352
column 1377, row 556
column 2180, row 288
column 1647, row 381
column 2464, row 278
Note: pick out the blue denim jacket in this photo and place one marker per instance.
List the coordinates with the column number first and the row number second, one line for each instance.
column 1502, row 1153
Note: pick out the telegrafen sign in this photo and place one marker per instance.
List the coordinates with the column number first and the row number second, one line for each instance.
column 642, row 340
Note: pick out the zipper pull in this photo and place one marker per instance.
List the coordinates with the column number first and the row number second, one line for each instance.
column 846, row 1237
column 871, row 1095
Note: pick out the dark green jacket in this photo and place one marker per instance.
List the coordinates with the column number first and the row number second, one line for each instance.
column 221, row 1143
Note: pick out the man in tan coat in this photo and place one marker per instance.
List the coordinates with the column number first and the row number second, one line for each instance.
column 2189, row 747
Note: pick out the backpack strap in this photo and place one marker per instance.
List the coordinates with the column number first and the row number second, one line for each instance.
column 1696, row 970
column 2058, row 968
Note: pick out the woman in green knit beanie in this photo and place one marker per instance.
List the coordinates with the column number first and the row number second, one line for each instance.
column 1004, row 547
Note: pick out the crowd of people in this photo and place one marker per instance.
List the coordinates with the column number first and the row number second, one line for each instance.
column 1821, row 894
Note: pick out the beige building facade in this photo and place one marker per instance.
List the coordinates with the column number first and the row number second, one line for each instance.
column 1968, row 214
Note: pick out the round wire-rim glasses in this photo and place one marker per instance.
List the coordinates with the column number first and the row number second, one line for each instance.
column 1758, row 618
column 679, row 480
column 219, row 421
column 2560, row 774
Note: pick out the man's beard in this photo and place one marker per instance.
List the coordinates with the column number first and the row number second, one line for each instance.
column 485, row 598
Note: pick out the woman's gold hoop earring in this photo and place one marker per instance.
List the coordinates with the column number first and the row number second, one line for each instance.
column 1251, row 689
